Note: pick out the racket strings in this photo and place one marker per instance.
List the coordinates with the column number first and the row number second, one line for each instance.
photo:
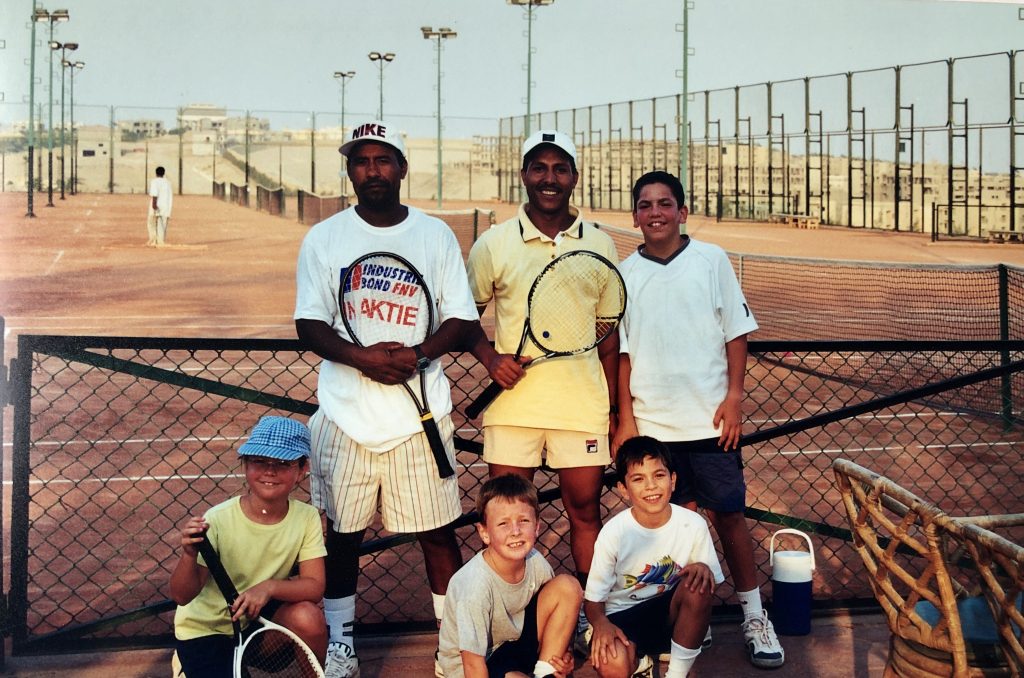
column 272, row 653
column 575, row 304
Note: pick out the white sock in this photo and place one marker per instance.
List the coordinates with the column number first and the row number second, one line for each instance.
column 340, row 613
column 542, row 668
column 438, row 600
column 750, row 602
column 682, row 661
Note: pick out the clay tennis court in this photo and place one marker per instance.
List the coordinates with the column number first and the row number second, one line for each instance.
column 81, row 268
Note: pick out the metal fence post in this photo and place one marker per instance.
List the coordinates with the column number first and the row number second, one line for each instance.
column 1006, row 383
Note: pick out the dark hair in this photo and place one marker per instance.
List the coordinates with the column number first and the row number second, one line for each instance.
column 660, row 177
column 528, row 158
column 509, row 487
column 159, row 171
column 635, row 450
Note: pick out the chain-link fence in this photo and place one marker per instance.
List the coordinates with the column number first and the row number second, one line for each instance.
column 117, row 440
column 876, row 148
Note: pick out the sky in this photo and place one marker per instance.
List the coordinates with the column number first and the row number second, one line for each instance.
column 272, row 55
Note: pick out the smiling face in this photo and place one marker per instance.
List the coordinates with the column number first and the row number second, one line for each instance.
column 272, row 480
column 509, row 529
column 658, row 216
column 648, row 487
column 549, row 179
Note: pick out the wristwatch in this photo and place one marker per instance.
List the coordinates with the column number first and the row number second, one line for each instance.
column 422, row 361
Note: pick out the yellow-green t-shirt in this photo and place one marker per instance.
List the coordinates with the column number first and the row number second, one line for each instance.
column 251, row 553
column 568, row 393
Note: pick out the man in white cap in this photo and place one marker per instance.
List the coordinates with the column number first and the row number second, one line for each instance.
column 563, row 407
column 361, row 455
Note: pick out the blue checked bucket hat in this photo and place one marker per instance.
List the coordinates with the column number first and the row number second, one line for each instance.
column 277, row 438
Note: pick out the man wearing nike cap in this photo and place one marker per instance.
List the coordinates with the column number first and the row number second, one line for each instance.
column 368, row 446
column 561, row 408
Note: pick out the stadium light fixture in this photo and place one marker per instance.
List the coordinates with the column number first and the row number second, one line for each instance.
column 381, row 59
column 530, row 4
column 343, row 77
column 56, row 16
column 440, row 34
column 64, row 63
column 39, row 15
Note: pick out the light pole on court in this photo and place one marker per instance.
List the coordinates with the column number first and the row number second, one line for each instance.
column 529, row 52
column 76, row 66
column 381, row 59
column 343, row 77
column 56, row 16
column 440, row 34
column 64, row 63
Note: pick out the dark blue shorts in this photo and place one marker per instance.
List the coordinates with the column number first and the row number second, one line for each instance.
column 647, row 624
column 709, row 475
column 518, row 655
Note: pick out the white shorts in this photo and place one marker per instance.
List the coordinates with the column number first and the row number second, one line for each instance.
column 348, row 482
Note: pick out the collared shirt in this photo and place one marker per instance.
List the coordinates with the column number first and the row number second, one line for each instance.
column 567, row 393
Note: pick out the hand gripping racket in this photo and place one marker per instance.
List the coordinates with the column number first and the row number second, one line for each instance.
column 574, row 304
column 263, row 648
column 384, row 298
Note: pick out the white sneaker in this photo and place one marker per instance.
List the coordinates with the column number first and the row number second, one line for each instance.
column 704, row 644
column 645, row 669
column 763, row 645
column 341, row 661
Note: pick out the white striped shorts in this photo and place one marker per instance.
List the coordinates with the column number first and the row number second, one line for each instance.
column 348, row 482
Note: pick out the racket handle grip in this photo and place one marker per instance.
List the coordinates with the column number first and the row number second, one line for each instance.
column 485, row 398
column 444, row 468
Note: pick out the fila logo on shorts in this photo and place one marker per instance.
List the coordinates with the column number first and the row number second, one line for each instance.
column 591, row 446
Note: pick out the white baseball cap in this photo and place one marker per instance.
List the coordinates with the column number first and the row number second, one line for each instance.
column 375, row 130
column 553, row 137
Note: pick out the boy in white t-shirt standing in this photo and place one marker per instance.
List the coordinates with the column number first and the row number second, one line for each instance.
column 682, row 361
column 653, row 574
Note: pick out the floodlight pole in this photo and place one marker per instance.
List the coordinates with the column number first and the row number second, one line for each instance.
column 38, row 15
column 684, row 139
column 64, row 64
column 381, row 59
column 529, row 53
column 441, row 34
column 76, row 66
column 343, row 77
column 55, row 16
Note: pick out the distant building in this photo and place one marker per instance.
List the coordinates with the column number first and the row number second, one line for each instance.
column 203, row 117
column 142, row 129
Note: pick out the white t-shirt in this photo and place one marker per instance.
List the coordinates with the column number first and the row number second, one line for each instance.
column 680, row 314
column 376, row 415
column 633, row 563
column 482, row 610
column 160, row 188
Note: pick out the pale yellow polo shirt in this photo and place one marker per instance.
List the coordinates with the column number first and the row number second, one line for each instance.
column 569, row 393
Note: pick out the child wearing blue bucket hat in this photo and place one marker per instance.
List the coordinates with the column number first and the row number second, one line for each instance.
column 263, row 538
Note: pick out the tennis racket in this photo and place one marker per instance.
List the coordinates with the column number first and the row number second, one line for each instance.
column 574, row 304
column 263, row 648
column 384, row 298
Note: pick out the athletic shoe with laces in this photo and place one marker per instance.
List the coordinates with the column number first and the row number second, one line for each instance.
column 341, row 661
column 645, row 669
column 763, row 645
column 704, row 644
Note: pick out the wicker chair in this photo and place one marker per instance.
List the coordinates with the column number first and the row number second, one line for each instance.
column 897, row 535
column 1000, row 566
